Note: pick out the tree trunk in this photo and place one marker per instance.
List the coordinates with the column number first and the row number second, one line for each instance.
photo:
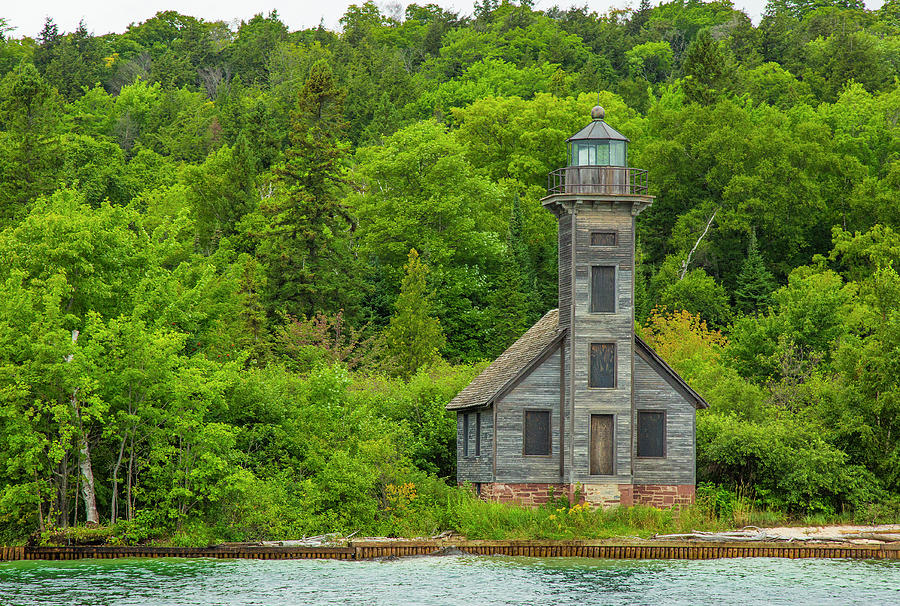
column 84, row 462
column 61, row 511
column 129, row 506
column 75, row 502
column 87, row 484
column 40, row 503
column 114, row 501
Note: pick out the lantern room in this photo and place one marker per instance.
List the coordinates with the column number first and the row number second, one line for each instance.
column 598, row 163
column 598, row 144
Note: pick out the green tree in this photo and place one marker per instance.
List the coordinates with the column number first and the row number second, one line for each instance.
column 220, row 192
column 256, row 39
column 414, row 337
column 514, row 298
column 652, row 61
column 30, row 158
column 698, row 293
column 708, row 70
column 306, row 245
column 755, row 283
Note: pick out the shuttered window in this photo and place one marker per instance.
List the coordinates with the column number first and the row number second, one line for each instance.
column 603, row 288
column 651, row 433
column 536, row 433
column 604, row 238
column 603, row 365
column 465, row 438
column 478, row 434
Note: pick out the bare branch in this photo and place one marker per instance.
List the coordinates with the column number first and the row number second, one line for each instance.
column 687, row 262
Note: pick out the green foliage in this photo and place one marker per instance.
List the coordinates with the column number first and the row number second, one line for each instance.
column 31, row 122
column 414, row 338
column 225, row 218
column 698, row 293
column 753, row 291
column 306, row 246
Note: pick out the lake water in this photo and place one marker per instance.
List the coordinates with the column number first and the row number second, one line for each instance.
column 450, row 580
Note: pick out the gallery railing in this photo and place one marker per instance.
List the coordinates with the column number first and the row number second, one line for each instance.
column 614, row 180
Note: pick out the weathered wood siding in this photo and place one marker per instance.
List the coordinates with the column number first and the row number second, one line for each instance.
column 653, row 392
column 617, row 327
column 565, row 270
column 538, row 391
column 474, row 468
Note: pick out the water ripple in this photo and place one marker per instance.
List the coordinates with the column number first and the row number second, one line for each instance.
column 449, row 580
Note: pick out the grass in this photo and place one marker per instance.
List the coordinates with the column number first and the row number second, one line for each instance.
column 477, row 519
column 459, row 510
column 716, row 509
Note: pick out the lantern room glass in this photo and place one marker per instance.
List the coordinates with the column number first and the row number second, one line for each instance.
column 598, row 152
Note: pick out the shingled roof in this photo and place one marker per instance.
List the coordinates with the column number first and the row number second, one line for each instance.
column 530, row 348
column 505, row 370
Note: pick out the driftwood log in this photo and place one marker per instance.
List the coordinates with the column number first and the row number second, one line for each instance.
column 751, row 533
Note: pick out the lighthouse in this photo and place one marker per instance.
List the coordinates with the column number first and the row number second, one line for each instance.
column 580, row 405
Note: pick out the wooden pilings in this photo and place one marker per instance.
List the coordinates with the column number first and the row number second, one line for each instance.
column 364, row 550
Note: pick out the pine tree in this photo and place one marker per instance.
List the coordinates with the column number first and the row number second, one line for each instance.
column 30, row 154
column 515, row 298
column 755, row 283
column 414, row 337
column 708, row 70
column 307, row 246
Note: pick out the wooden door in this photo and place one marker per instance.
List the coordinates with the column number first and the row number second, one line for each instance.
column 602, row 453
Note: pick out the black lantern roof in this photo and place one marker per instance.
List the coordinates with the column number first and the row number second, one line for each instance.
column 598, row 129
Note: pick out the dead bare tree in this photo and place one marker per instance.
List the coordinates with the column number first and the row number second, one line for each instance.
column 687, row 262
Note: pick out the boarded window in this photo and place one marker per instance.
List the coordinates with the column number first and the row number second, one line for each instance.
column 603, row 238
column 478, row 434
column 603, row 365
column 651, row 433
column 465, row 438
column 537, row 432
column 602, row 463
column 603, row 288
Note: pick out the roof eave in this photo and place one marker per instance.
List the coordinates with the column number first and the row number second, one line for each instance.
column 674, row 378
column 504, row 389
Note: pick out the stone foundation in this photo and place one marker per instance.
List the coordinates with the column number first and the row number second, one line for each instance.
column 607, row 495
column 529, row 495
column 536, row 494
column 664, row 496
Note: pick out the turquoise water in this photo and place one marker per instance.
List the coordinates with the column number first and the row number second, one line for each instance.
column 450, row 580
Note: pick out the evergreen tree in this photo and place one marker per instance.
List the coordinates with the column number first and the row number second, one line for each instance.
column 708, row 71
column 514, row 299
column 49, row 39
column 414, row 337
column 30, row 155
column 755, row 283
column 307, row 246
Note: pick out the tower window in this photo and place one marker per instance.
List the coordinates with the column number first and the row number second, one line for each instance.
column 651, row 433
column 603, row 365
column 603, row 289
column 536, row 432
column 604, row 238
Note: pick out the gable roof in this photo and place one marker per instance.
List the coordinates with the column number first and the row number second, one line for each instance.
column 531, row 349
column 668, row 373
column 517, row 360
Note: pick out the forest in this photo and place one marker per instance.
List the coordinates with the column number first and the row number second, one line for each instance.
column 244, row 268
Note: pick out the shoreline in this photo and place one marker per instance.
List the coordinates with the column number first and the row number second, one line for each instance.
column 362, row 550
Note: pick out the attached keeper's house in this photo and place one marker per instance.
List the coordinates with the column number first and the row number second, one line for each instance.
column 580, row 400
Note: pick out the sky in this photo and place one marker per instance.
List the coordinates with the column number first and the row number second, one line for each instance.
column 105, row 16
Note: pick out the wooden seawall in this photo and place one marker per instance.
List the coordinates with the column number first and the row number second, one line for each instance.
column 364, row 550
